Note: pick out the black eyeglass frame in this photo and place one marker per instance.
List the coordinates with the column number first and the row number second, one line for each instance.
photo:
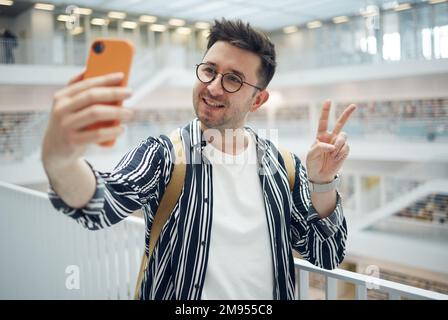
column 222, row 78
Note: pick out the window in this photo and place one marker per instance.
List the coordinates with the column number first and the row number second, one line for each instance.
column 368, row 44
column 391, row 46
column 427, row 43
column 441, row 42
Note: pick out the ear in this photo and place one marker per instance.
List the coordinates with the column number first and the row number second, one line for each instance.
column 260, row 98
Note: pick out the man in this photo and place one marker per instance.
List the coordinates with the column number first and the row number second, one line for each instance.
column 233, row 229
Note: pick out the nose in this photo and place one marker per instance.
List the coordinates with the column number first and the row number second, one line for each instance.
column 215, row 88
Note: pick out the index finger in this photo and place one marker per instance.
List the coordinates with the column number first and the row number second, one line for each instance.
column 343, row 118
column 78, row 85
column 76, row 78
column 323, row 121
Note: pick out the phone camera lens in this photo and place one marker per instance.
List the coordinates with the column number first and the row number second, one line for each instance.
column 98, row 47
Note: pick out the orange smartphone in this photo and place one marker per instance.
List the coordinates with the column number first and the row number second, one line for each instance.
column 108, row 56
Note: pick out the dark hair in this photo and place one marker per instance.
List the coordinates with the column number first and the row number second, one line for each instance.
column 245, row 37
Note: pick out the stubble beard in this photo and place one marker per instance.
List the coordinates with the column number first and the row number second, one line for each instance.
column 222, row 123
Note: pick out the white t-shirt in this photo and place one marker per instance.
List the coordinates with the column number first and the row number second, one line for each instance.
column 240, row 262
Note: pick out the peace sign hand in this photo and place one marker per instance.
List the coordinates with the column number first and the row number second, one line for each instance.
column 329, row 151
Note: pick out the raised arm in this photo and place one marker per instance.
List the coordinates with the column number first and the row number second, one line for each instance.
column 326, row 157
column 75, row 107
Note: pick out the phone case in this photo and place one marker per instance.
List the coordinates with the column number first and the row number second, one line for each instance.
column 108, row 56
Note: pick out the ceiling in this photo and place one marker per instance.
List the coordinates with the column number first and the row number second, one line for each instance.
column 14, row 10
column 266, row 15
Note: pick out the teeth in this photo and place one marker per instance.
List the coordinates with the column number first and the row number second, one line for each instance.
column 213, row 104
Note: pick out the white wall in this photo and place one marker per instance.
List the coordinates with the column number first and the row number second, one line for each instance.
column 42, row 34
column 26, row 98
column 22, row 24
column 399, row 88
column 6, row 23
column 37, row 75
column 400, row 81
column 35, row 29
column 23, row 29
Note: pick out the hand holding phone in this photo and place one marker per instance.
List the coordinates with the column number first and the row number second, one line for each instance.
column 87, row 111
column 109, row 56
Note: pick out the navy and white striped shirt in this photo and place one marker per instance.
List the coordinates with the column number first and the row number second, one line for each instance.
column 179, row 262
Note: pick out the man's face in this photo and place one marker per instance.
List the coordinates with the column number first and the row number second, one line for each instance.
column 234, row 106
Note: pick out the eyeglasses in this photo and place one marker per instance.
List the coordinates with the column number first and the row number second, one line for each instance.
column 230, row 82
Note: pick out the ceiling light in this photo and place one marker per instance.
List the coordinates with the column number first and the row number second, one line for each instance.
column 402, row 6
column 83, row 11
column 290, row 29
column 129, row 24
column 116, row 15
column 98, row 21
column 77, row 30
column 63, row 18
column 340, row 19
column 389, row 5
column 176, row 22
column 44, row 6
column 202, row 25
column 370, row 11
column 157, row 27
column 183, row 30
column 148, row 19
column 6, row 2
column 436, row 1
column 314, row 24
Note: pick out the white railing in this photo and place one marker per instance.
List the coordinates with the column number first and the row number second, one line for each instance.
column 59, row 51
column 43, row 252
column 46, row 255
column 43, row 51
column 395, row 290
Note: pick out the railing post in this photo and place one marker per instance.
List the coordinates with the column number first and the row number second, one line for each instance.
column 296, row 284
column 304, row 284
column 331, row 288
column 394, row 296
column 361, row 292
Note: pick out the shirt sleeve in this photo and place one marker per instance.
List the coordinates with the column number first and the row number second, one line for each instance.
column 140, row 176
column 320, row 241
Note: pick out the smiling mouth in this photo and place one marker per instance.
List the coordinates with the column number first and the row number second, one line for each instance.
column 212, row 105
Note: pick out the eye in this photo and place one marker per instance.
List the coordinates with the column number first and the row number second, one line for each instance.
column 209, row 70
column 233, row 78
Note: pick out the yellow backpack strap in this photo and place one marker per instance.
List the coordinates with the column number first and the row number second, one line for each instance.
column 167, row 204
column 172, row 192
column 290, row 168
column 291, row 171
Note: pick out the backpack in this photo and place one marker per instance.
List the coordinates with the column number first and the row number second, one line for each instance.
column 172, row 194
